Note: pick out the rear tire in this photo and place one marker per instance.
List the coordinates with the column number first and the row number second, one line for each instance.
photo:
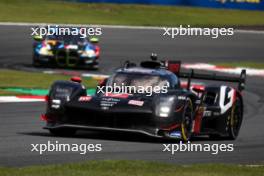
column 235, row 120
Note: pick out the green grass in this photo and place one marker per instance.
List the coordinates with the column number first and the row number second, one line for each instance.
column 133, row 168
column 8, row 93
column 84, row 13
column 258, row 65
column 11, row 78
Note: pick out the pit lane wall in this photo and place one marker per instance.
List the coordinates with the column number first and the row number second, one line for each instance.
column 229, row 4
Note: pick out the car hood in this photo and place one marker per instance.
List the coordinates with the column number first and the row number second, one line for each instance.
column 113, row 103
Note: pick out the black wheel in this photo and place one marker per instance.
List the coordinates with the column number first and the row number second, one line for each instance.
column 95, row 67
column 235, row 119
column 187, row 122
column 35, row 61
column 62, row 132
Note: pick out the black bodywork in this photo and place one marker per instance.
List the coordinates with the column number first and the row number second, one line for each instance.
column 181, row 112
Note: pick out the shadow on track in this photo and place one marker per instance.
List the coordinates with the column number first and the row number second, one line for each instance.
column 118, row 136
column 31, row 68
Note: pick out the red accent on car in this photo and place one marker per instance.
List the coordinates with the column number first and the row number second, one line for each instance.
column 172, row 127
column 198, row 120
column 113, row 95
column 136, row 102
column 85, row 98
column 47, row 118
column 47, row 98
column 66, row 46
column 97, row 50
column 179, row 109
column 76, row 79
column 234, row 96
column 198, row 88
column 174, row 66
column 195, row 87
column 102, row 82
column 184, row 85
column 44, row 117
column 44, row 44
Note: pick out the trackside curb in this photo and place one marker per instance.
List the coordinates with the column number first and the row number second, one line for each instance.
column 22, row 98
column 232, row 70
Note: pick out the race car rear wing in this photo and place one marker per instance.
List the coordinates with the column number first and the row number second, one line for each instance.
column 175, row 66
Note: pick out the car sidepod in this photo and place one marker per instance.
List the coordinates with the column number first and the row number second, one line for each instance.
column 219, row 105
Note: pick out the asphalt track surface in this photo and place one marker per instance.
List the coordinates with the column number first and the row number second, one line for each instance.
column 20, row 124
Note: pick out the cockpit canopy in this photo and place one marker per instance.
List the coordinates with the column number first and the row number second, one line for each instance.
column 144, row 79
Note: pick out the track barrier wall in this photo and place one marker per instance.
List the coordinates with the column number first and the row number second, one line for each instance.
column 229, row 4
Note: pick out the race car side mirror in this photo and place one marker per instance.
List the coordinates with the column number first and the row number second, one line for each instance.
column 103, row 82
column 242, row 81
column 76, row 79
column 94, row 40
column 38, row 38
column 100, row 88
column 198, row 88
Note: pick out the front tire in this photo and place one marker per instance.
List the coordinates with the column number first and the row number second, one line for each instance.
column 35, row 61
column 187, row 122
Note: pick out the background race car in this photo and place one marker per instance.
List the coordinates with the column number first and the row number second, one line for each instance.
column 66, row 51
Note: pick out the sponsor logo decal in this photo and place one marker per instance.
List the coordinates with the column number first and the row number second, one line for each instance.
column 107, row 102
column 56, row 104
column 207, row 113
column 85, row 98
column 176, row 134
column 226, row 98
column 136, row 102
column 181, row 98
column 117, row 95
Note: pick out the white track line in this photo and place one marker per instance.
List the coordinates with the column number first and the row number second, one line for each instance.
column 80, row 25
column 110, row 26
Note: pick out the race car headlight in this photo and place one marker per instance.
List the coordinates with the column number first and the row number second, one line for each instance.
column 164, row 111
column 164, row 106
column 45, row 50
column 88, row 53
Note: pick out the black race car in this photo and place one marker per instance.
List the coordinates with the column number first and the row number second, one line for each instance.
column 180, row 112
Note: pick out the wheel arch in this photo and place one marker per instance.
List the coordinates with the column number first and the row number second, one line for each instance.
column 239, row 95
column 193, row 98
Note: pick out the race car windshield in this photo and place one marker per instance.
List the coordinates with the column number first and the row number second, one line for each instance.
column 74, row 39
column 139, row 81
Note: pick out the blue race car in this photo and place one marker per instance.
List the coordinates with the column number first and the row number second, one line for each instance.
column 66, row 51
